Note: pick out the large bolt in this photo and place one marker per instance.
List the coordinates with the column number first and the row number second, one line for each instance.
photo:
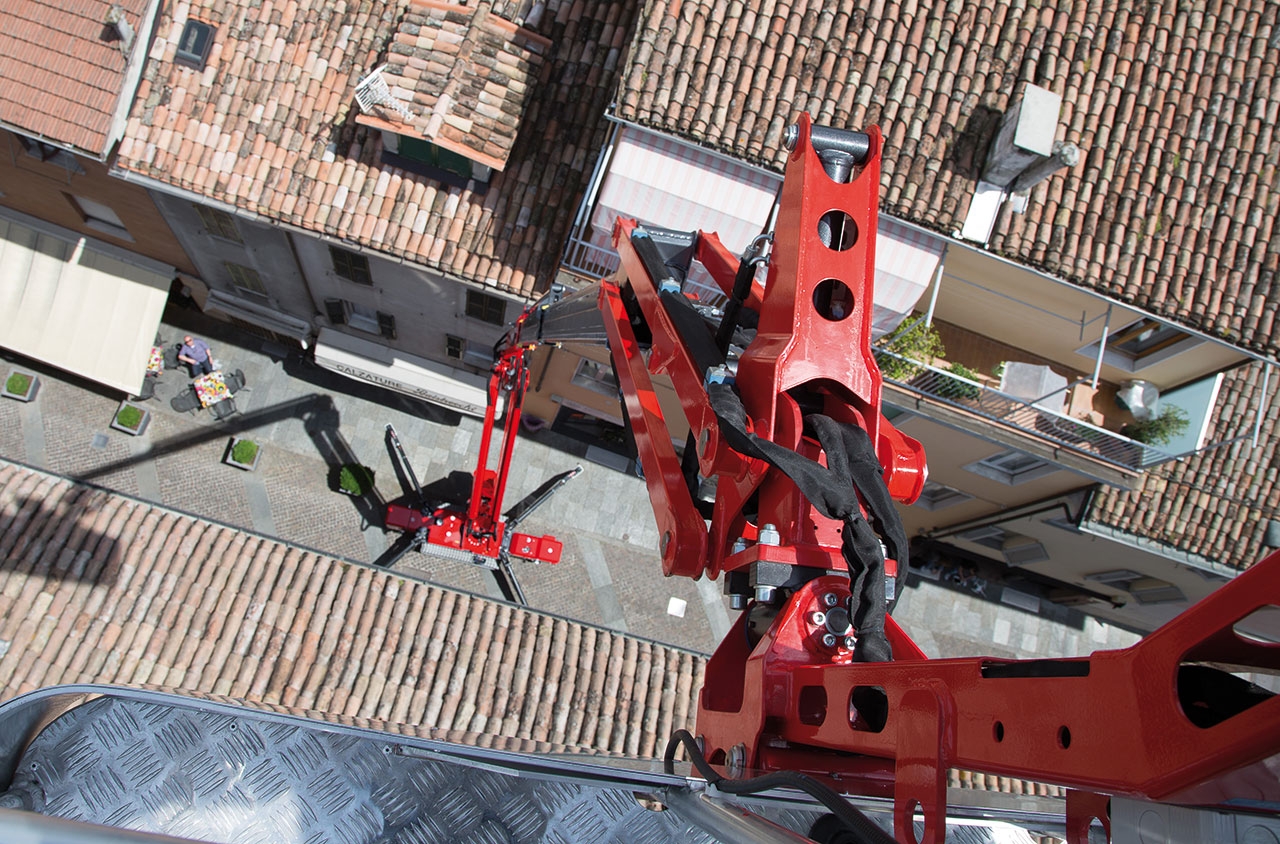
column 736, row 760
column 769, row 535
column 849, row 642
column 830, row 599
column 764, row 594
column 791, row 137
column 737, row 602
column 828, row 640
column 818, row 619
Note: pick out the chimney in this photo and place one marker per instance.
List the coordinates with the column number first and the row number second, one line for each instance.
column 116, row 20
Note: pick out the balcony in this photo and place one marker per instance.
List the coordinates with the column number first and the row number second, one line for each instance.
column 981, row 401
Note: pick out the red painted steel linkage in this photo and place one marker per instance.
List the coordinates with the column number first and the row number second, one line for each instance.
column 813, row 345
column 1110, row 724
column 1113, row 723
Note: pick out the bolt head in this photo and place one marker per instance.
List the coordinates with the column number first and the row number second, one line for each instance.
column 849, row 642
column 791, row 137
column 830, row 599
column 829, row 640
column 764, row 594
column 818, row 619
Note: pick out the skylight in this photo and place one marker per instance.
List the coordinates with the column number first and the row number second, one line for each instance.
column 193, row 46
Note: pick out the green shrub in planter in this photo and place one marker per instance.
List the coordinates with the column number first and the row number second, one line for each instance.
column 1172, row 422
column 244, row 451
column 18, row 383
column 355, row 479
column 953, row 388
column 129, row 417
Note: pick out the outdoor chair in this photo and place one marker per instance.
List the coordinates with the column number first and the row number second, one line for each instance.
column 235, row 381
column 148, row 390
column 185, row 402
column 224, row 408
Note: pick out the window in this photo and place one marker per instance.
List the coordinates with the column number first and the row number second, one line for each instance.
column 988, row 536
column 99, row 217
column 454, row 346
column 193, row 46
column 1141, row 344
column 1012, row 467
column 1146, row 590
column 246, row 279
column 219, row 223
column 351, row 265
column 50, row 154
column 425, row 158
column 360, row 317
column 597, row 377
column 486, row 308
column 937, row 497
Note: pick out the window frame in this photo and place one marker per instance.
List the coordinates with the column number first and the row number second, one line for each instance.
column 995, row 467
column 99, row 216
column 936, row 496
column 218, row 223
column 192, row 58
column 480, row 306
column 352, row 266
column 236, row 271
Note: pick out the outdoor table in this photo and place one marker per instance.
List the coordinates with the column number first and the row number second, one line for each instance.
column 211, row 388
column 155, row 362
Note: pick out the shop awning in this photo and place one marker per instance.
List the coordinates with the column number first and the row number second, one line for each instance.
column 78, row 304
column 374, row 363
column 260, row 315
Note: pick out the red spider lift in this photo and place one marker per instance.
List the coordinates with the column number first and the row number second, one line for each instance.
column 481, row 534
column 815, row 677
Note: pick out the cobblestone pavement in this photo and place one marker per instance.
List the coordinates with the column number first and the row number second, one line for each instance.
column 308, row 419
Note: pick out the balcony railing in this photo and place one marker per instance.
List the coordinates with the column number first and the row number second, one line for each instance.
column 1033, row 416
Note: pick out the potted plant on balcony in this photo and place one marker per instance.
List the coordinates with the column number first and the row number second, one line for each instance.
column 960, row 384
column 130, row 418
column 913, row 345
column 1159, row 430
column 21, row 385
column 354, row 479
column 243, row 453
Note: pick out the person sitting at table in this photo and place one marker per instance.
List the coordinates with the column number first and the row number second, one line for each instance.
column 196, row 354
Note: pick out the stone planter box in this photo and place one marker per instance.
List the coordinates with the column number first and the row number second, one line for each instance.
column 247, row 463
column 10, row 386
column 143, row 416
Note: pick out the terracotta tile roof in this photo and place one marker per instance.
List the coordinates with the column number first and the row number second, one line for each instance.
column 1216, row 504
column 100, row 588
column 1173, row 206
column 61, row 79
column 464, row 75
column 268, row 127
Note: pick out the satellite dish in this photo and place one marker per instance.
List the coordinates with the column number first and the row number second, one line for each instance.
column 1141, row 398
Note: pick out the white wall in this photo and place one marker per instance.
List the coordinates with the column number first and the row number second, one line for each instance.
column 426, row 305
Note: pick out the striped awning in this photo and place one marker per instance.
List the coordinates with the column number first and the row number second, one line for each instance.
column 906, row 261
column 664, row 182
column 661, row 181
column 79, row 304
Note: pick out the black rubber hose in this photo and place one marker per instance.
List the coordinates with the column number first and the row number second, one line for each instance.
column 863, row 828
